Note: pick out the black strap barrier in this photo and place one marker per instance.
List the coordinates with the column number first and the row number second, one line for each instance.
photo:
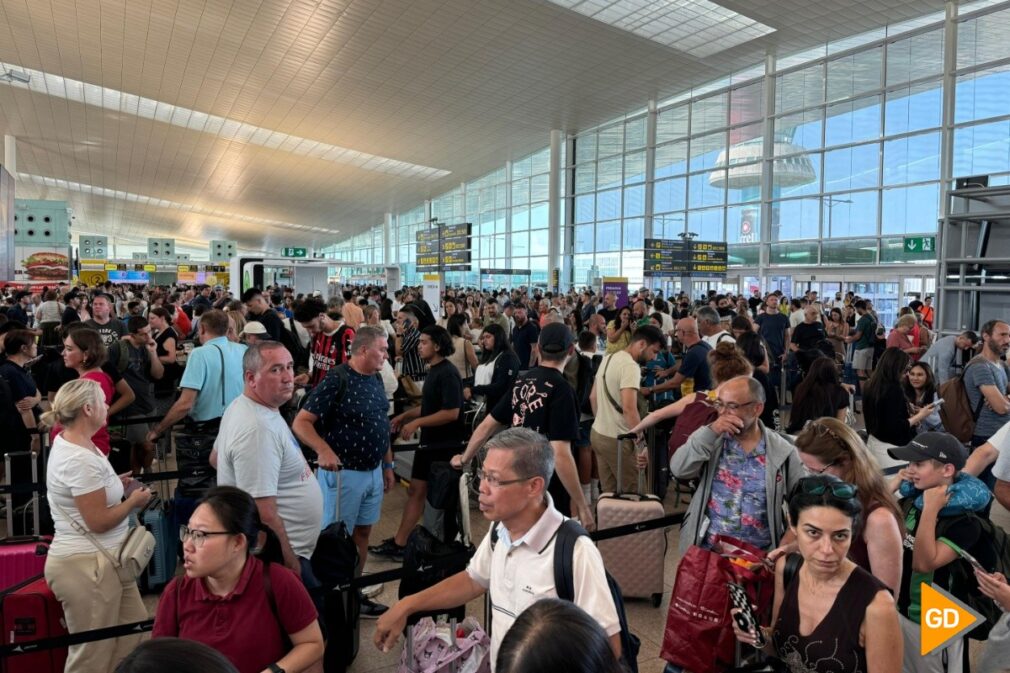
column 59, row 642
column 356, row 583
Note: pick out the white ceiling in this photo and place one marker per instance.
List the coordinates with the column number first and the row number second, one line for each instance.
column 297, row 121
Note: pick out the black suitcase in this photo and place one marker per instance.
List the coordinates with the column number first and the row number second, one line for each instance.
column 658, row 437
column 429, row 560
column 333, row 563
column 27, row 513
column 442, row 505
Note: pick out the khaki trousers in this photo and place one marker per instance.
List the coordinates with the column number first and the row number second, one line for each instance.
column 93, row 597
column 605, row 449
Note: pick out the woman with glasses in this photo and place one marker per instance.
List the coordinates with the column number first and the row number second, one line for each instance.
column 87, row 495
column 890, row 419
column 831, row 615
column 497, row 370
column 236, row 596
column 828, row 446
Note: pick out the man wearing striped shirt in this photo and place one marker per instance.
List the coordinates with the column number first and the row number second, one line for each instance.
column 331, row 339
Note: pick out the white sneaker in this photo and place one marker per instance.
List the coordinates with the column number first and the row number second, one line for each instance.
column 372, row 590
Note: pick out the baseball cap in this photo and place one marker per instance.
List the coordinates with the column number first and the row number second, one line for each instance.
column 933, row 445
column 254, row 327
column 555, row 338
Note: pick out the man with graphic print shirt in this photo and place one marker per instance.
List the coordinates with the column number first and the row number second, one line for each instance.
column 331, row 340
column 543, row 400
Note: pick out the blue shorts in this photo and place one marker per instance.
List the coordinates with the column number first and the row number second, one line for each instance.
column 584, row 429
column 360, row 496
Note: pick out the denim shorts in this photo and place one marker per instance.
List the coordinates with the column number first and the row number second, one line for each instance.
column 360, row 496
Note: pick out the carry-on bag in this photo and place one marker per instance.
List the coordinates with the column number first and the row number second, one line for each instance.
column 29, row 611
column 442, row 504
column 158, row 519
column 442, row 647
column 433, row 559
column 636, row 561
column 193, row 446
column 27, row 513
column 21, row 558
column 699, row 631
column 334, row 562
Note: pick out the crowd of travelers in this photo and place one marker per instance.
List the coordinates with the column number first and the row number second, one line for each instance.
column 803, row 426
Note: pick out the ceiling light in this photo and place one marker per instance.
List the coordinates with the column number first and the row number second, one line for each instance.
column 699, row 27
column 15, row 76
column 201, row 122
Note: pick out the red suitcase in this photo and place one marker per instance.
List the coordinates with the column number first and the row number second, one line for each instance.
column 30, row 611
column 21, row 558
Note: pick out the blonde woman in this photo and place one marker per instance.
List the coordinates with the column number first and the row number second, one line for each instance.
column 236, row 323
column 86, row 492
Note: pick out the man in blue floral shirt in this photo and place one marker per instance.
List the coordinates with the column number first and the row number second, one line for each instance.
column 747, row 472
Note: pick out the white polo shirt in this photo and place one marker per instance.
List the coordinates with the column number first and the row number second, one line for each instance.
column 518, row 574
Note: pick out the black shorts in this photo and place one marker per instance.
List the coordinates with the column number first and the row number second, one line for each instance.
column 424, row 457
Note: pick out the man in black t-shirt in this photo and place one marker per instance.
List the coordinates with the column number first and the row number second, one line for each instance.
column 609, row 310
column 440, row 420
column 543, row 400
column 259, row 310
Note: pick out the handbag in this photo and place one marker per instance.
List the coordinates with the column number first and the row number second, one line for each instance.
column 134, row 554
column 442, row 648
column 699, row 632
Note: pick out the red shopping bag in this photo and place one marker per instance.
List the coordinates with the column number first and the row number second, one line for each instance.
column 699, row 632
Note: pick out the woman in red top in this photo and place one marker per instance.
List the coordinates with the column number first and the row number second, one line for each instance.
column 232, row 601
column 84, row 352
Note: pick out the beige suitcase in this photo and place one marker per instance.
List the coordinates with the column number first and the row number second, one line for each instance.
column 636, row 561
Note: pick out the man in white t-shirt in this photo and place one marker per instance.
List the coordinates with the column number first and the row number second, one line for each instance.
column 256, row 452
column 710, row 327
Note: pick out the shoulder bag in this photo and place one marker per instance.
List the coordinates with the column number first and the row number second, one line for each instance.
column 134, row 554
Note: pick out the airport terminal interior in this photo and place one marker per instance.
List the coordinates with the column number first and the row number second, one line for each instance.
column 691, row 148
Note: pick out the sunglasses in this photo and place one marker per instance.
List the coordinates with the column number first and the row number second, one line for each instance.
column 820, row 486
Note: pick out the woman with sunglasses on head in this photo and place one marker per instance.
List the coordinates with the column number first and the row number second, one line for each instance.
column 831, row 615
column 237, row 596
column 829, row 446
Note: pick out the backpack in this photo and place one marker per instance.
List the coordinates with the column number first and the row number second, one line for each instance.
column 963, row 584
column 119, row 357
column 564, row 583
column 579, row 372
column 696, row 414
column 289, row 337
column 957, row 414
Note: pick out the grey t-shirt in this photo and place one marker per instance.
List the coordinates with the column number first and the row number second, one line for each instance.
column 257, row 453
column 985, row 373
column 940, row 357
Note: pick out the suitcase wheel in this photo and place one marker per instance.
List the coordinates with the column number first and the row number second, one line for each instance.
column 657, row 600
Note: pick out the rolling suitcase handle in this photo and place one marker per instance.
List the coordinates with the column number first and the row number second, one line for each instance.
column 641, row 471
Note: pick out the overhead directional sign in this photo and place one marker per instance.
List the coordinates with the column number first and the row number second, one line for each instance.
column 444, row 248
column 295, row 252
column 920, row 244
column 667, row 257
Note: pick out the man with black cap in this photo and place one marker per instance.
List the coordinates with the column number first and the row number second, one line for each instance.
column 932, row 481
column 543, row 400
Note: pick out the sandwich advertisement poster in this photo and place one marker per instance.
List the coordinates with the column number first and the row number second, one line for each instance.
column 42, row 264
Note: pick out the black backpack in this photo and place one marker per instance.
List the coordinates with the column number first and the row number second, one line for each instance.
column 289, row 337
column 564, row 583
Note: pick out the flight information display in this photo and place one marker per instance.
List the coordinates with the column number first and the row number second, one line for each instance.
column 667, row 257
column 444, row 248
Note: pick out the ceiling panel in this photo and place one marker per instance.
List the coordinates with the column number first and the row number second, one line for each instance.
column 456, row 85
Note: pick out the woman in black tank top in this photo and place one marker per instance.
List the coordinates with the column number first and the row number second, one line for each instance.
column 832, row 616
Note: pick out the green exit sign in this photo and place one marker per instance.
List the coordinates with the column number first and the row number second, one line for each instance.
column 920, row 244
column 294, row 252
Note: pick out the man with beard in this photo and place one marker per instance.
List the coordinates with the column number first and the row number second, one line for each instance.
column 524, row 335
column 614, row 399
column 985, row 378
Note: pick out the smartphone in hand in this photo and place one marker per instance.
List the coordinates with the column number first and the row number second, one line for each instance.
column 971, row 560
column 745, row 617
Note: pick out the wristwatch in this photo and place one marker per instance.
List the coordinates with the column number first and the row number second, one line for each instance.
column 388, row 466
column 274, row 668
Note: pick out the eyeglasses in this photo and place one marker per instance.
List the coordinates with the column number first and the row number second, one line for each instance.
column 821, row 485
column 198, row 536
column 821, row 471
column 495, row 482
column 721, row 406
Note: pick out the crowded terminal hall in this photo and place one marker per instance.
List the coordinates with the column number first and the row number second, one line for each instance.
column 539, row 336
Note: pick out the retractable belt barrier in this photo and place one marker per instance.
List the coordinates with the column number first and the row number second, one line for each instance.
column 357, row 583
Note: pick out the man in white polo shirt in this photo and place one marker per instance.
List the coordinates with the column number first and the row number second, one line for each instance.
column 519, row 569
